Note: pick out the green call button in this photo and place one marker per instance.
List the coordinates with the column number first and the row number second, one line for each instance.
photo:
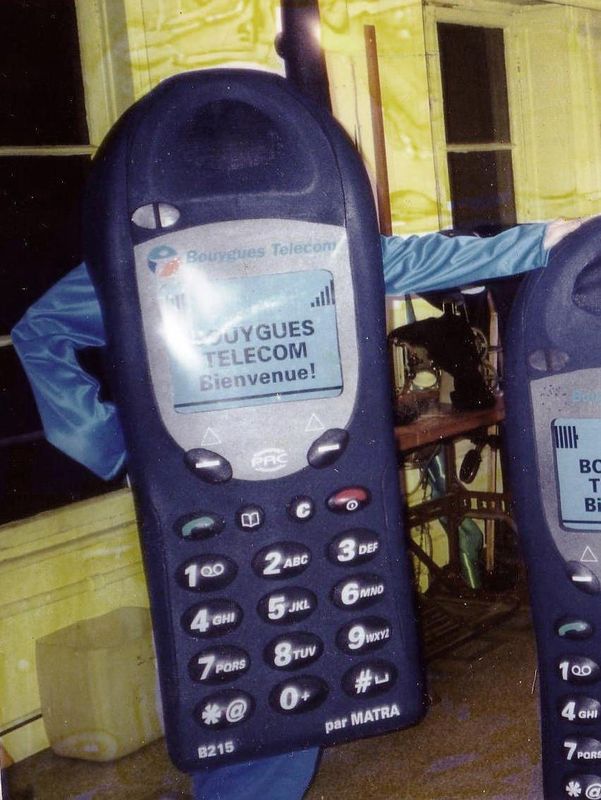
column 574, row 629
column 200, row 526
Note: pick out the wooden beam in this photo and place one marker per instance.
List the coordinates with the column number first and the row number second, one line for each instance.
column 377, row 121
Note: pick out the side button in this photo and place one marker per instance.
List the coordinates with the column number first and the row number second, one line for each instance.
column 328, row 448
column 582, row 577
column 208, row 466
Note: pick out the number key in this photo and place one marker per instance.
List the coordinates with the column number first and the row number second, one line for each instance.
column 282, row 560
column 354, row 546
column 579, row 669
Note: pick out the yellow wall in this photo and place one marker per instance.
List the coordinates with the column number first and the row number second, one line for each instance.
column 404, row 83
column 57, row 568
column 553, row 72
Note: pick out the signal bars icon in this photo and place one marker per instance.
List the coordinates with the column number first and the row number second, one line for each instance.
column 326, row 297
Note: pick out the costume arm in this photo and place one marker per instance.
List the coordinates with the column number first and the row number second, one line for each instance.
column 434, row 261
column 68, row 318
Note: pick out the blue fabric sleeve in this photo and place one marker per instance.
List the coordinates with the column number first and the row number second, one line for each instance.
column 434, row 261
column 283, row 777
column 68, row 318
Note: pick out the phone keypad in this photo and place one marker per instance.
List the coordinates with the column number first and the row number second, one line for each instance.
column 292, row 650
column 575, row 710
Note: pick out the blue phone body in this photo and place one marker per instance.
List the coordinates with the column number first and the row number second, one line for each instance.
column 553, row 393
column 279, row 623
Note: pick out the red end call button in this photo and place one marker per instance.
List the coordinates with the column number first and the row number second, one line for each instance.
column 348, row 500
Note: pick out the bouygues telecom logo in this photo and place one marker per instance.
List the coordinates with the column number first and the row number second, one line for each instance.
column 164, row 261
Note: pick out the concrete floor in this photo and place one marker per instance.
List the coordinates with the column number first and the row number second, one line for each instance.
column 479, row 739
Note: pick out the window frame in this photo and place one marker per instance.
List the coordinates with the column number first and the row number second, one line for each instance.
column 108, row 90
column 493, row 15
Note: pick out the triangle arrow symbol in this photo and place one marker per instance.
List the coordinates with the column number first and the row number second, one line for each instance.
column 588, row 556
column 314, row 424
column 210, row 438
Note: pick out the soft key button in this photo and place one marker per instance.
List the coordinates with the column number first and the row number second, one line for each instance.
column 348, row 500
column 297, row 696
column 224, row 709
column 293, row 651
column 219, row 664
column 206, row 573
column 328, row 448
column 582, row 577
column 281, row 560
column 285, row 606
column 369, row 678
column 208, row 466
column 359, row 591
column 353, row 547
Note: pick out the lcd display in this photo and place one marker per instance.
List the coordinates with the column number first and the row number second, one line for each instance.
column 248, row 340
column 578, row 464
